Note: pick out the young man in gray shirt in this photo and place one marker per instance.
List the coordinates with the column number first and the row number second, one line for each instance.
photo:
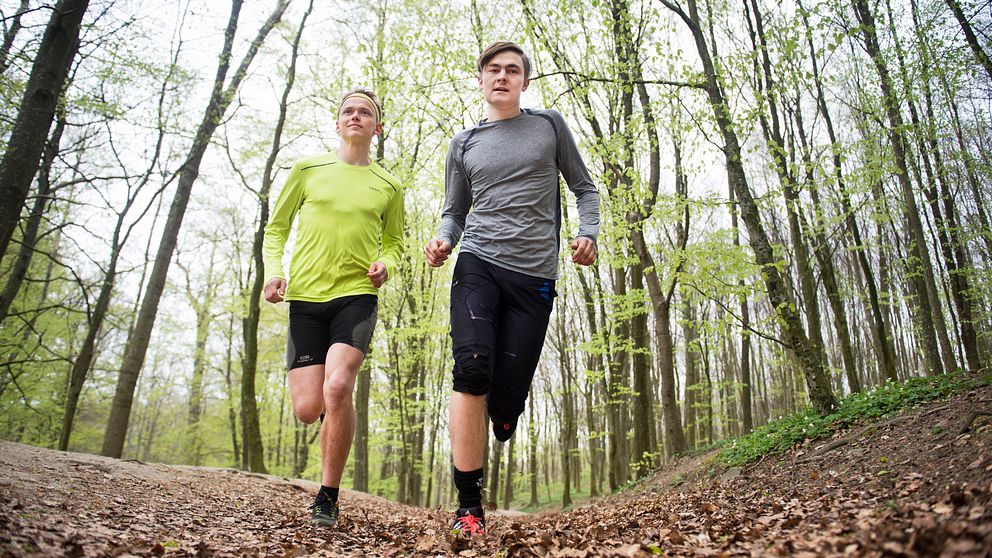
column 502, row 201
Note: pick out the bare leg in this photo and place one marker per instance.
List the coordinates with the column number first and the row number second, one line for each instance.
column 467, row 425
column 338, row 430
column 305, row 392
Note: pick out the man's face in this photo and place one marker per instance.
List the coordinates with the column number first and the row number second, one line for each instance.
column 502, row 79
column 356, row 120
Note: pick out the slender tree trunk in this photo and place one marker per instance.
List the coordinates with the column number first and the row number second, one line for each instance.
column 19, row 269
column 134, row 354
column 822, row 251
column 508, row 487
column 36, row 111
column 252, row 434
column 970, row 37
column 691, row 356
column 919, row 266
column 495, row 462
column 953, row 248
column 11, row 34
column 812, row 363
column 882, row 335
column 532, row 452
column 232, row 417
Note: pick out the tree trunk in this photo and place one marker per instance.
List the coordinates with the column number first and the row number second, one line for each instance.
column 771, row 125
column 532, row 452
column 204, row 319
column 953, row 248
column 970, row 37
column 11, row 34
column 811, row 361
column 828, row 273
column 495, row 460
column 137, row 346
column 508, row 486
column 19, row 269
column 36, row 111
column 882, row 336
column 252, row 434
column 919, row 267
column 228, row 384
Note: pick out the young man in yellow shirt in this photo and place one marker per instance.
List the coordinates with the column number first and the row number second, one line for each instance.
column 348, row 238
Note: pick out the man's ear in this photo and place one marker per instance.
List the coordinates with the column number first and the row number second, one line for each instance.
column 478, row 79
column 378, row 129
column 526, row 84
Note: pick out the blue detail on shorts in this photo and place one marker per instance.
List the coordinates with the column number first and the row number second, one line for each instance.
column 545, row 291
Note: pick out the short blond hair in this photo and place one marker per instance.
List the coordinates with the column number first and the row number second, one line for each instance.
column 493, row 49
column 368, row 94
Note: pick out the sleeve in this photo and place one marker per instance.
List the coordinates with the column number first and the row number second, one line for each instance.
column 578, row 179
column 277, row 230
column 392, row 231
column 457, row 196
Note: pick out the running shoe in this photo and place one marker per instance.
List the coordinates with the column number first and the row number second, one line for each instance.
column 503, row 430
column 470, row 522
column 324, row 513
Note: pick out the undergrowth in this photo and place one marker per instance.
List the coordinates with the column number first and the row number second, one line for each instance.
column 788, row 432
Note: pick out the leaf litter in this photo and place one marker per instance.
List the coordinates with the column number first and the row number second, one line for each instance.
column 911, row 488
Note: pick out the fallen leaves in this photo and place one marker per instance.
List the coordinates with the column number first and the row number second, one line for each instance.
column 884, row 495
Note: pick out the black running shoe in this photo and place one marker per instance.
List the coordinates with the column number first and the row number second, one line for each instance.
column 503, row 430
column 324, row 513
column 469, row 522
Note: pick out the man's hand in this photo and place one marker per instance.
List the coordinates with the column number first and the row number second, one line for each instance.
column 583, row 250
column 377, row 274
column 437, row 252
column 275, row 290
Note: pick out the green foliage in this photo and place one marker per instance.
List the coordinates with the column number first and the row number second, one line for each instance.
column 802, row 427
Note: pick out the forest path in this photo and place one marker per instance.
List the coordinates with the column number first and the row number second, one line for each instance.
column 913, row 486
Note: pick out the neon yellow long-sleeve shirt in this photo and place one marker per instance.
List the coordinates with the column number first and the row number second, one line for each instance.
column 349, row 217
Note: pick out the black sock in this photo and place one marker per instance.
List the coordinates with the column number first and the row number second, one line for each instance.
column 469, row 485
column 328, row 493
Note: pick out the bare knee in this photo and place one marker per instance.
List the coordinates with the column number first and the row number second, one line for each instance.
column 337, row 391
column 309, row 411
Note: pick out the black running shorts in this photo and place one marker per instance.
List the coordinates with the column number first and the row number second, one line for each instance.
column 498, row 321
column 315, row 326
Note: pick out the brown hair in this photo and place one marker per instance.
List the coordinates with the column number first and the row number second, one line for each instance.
column 366, row 93
column 499, row 46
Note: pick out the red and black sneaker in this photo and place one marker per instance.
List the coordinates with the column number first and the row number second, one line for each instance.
column 469, row 522
column 503, row 430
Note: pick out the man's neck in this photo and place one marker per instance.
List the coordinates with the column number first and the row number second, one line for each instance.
column 356, row 154
column 499, row 113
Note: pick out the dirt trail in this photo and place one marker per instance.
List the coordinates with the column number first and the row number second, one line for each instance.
column 912, row 486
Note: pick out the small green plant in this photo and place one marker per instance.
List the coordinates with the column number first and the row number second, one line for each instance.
column 677, row 480
column 807, row 425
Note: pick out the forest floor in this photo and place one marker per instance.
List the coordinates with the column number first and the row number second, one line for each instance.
column 909, row 485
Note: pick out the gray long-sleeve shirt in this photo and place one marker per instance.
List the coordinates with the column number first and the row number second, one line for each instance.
column 501, row 191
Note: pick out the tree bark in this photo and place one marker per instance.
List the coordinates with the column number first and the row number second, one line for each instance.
column 771, row 125
column 882, row 335
column 953, row 248
column 11, row 34
column 36, row 111
column 970, row 37
column 811, row 361
column 532, row 452
column 134, row 354
column 919, row 267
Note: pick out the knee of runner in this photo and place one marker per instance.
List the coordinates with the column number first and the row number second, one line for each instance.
column 471, row 371
column 308, row 412
column 336, row 391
